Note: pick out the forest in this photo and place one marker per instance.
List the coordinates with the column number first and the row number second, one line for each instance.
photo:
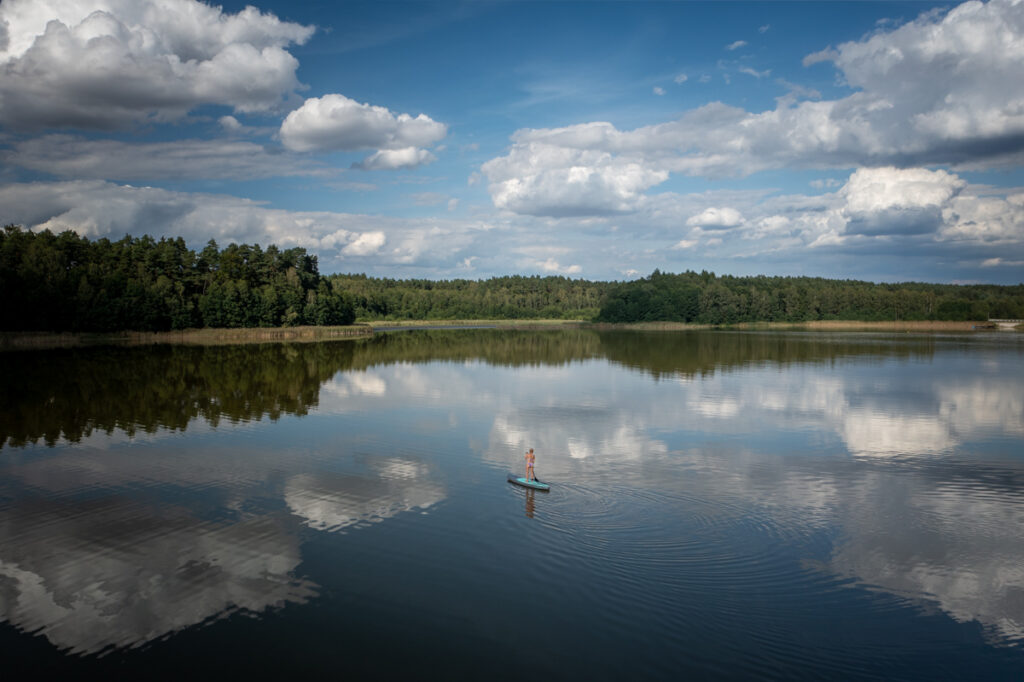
column 499, row 298
column 705, row 298
column 67, row 282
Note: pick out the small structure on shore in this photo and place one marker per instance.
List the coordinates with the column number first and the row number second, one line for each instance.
column 1005, row 324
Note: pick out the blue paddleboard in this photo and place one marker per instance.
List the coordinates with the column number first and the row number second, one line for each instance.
column 535, row 485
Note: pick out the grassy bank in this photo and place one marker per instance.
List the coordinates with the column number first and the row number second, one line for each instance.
column 41, row 340
column 204, row 337
column 651, row 326
column 504, row 324
column 855, row 325
column 816, row 325
column 210, row 337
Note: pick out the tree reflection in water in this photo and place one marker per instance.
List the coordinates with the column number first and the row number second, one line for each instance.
column 70, row 393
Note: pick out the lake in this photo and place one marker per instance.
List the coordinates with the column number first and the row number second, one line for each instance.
column 727, row 505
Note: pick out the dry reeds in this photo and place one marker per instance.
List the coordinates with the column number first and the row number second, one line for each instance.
column 204, row 337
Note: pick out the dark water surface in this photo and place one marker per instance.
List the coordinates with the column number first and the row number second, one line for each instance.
column 728, row 505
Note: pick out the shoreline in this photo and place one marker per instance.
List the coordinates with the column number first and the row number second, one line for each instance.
column 200, row 337
column 45, row 340
column 234, row 336
column 813, row 325
column 385, row 325
column 900, row 326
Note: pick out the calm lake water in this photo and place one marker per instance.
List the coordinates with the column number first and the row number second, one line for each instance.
column 728, row 505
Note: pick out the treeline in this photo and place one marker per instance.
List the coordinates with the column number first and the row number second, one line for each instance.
column 705, row 298
column 498, row 298
column 68, row 283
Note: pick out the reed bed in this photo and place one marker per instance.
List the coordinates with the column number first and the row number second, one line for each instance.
column 816, row 325
column 41, row 340
column 518, row 324
column 203, row 337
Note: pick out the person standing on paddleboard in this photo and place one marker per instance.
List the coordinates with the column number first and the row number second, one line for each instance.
column 530, row 459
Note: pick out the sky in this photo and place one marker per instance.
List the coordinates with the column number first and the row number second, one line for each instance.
column 881, row 141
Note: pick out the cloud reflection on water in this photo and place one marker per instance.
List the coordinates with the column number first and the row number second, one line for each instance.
column 91, row 558
column 333, row 502
column 959, row 547
column 594, row 433
column 916, row 513
column 122, row 574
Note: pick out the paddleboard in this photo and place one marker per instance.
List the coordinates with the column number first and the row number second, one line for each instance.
column 535, row 485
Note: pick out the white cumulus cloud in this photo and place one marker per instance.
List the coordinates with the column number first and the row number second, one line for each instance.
column 105, row 63
column 393, row 159
column 898, row 201
column 365, row 244
column 553, row 266
column 943, row 80
column 335, row 122
column 879, row 189
column 933, row 91
column 542, row 175
column 229, row 123
column 916, row 209
column 716, row 218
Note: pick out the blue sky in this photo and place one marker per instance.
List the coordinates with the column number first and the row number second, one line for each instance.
column 865, row 140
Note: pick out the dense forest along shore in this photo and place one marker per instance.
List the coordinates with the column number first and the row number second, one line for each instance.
column 67, row 283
